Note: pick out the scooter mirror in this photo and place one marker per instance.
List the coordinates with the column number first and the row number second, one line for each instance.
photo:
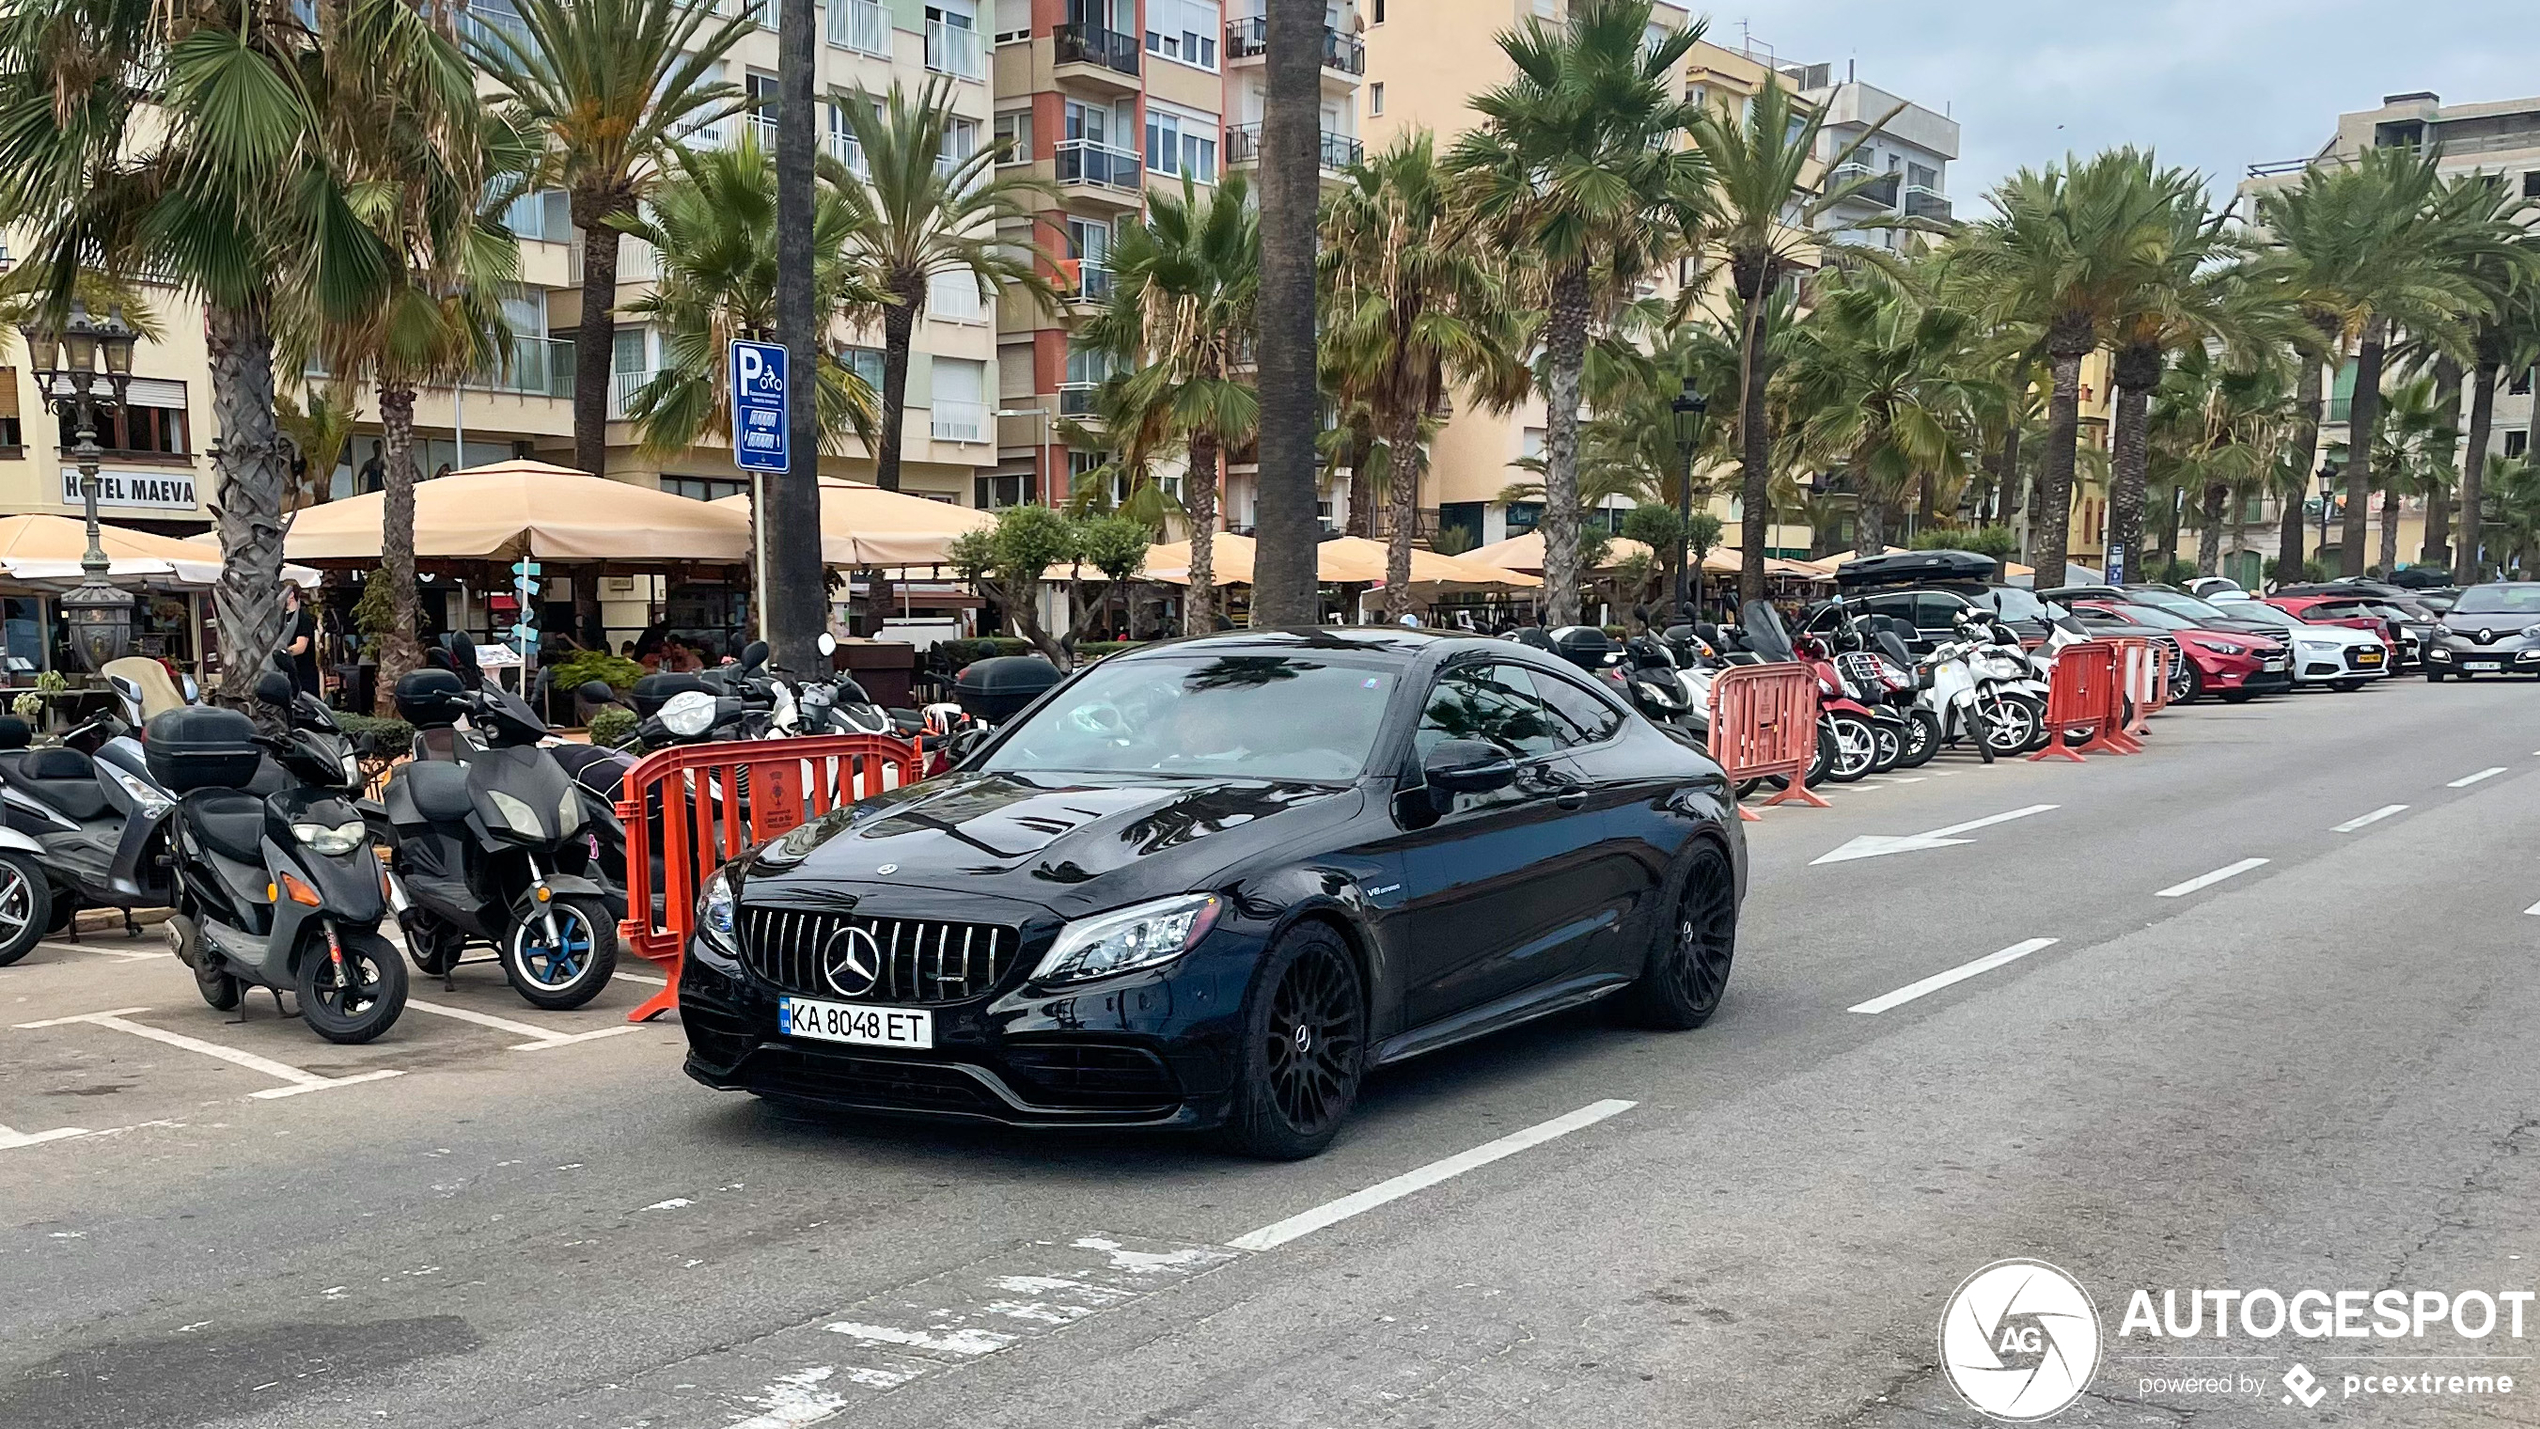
column 275, row 688
column 753, row 655
column 598, row 692
column 828, row 644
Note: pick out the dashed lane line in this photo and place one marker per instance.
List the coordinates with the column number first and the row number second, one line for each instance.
column 1958, row 974
column 2376, row 816
column 295, row 1081
column 2468, row 779
column 2208, row 880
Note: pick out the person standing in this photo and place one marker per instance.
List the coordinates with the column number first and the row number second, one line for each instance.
column 299, row 639
column 374, row 473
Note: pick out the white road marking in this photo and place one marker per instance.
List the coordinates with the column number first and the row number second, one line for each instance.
column 2534, row 908
column 121, row 955
column 2376, row 816
column 296, row 1080
column 1898, row 779
column 12, row 1140
column 1874, row 845
column 639, row 977
column 795, row 1399
column 1960, row 973
column 2208, row 880
column 2468, row 779
column 545, row 1037
column 1332, row 1212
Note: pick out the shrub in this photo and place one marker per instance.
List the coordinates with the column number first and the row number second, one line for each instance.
column 612, row 725
column 2177, row 572
column 583, row 666
column 957, row 653
column 377, row 734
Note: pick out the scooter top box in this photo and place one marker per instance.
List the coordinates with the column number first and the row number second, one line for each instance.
column 996, row 689
column 429, row 699
column 202, row 747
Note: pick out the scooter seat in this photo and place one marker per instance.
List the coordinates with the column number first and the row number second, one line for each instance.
column 63, row 778
column 228, row 821
column 439, row 790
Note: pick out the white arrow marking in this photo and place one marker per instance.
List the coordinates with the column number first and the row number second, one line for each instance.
column 12, row 1140
column 1873, row 845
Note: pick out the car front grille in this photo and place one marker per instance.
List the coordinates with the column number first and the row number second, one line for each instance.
column 2355, row 657
column 917, row 960
column 885, row 1082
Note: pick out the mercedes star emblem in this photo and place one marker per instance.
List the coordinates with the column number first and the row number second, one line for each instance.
column 852, row 963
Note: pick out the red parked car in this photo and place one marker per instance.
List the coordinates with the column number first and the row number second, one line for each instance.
column 2380, row 619
column 2235, row 664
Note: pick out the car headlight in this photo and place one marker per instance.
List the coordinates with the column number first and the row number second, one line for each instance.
column 714, row 915
column 338, row 840
column 688, row 714
column 152, row 804
column 1139, row 937
column 2316, row 645
column 2225, row 647
column 517, row 816
column 2438, row 653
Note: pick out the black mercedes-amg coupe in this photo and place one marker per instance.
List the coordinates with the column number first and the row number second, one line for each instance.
column 1210, row 883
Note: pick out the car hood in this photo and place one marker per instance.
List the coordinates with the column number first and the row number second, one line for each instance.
column 1074, row 843
column 2503, row 625
column 2340, row 635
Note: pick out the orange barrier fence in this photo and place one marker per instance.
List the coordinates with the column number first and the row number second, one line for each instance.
column 2086, row 693
column 1764, row 722
column 2147, row 684
column 690, row 808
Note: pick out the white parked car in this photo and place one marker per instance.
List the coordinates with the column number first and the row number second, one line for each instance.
column 2319, row 651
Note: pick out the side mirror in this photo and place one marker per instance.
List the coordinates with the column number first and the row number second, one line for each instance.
column 753, row 655
column 1468, row 766
column 275, row 688
column 598, row 692
column 828, row 644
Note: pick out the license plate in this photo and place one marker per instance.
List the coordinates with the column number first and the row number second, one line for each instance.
column 2368, row 657
column 855, row 1022
column 2482, row 665
column 2274, row 662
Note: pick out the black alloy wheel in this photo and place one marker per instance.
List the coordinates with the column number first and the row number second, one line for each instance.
column 357, row 998
column 1922, row 739
column 1689, row 959
column 1304, row 1050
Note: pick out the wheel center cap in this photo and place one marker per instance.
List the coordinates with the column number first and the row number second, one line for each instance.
column 1304, row 1038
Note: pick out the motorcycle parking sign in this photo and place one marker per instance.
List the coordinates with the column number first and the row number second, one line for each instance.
column 759, row 399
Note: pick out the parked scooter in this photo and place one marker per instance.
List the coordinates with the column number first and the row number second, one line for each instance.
column 82, row 820
column 1762, row 638
column 492, row 845
column 280, row 891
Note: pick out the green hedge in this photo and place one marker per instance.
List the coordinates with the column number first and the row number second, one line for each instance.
column 373, row 734
column 1096, row 649
column 612, row 725
column 958, row 653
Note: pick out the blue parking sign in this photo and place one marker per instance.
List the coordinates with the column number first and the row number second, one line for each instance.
column 759, row 406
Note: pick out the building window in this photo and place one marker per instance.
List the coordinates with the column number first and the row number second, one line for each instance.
column 1184, row 30
column 1002, row 489
column 1181, row 141
column 865, row 362
column 1013, row 136
column 1376, row 97
column 2531, row 183
column 954, row 298
column 703, row 488
column 2516, row 443
column 155, row 430
column 1379, row 8
column 2520, row 385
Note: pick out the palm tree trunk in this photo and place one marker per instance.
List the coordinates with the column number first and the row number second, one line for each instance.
column 1403, row 466
column 2482, row 419
column 595, row 335
column 2363, row 414
column 2209, row 536
column 2009, row 487
column 1754, row 452
column 899, row 324
column 2434, row 546
column 794, row 609
column 2239, row 527
column 2050, row 525
column 2436, row 549
column 1362, row 486
column 1873, row 537
column 2302, row 449
column 2136, row 371
column 1565, row 347
column 2389, row 528
column 1199, row 502
column 250, row 474
column 400, row 652
column 1286, row 533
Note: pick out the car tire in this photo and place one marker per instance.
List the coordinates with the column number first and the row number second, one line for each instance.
column 1304, row 1047
column 2433, row 677
column 1691, row 953
column 26, row 905
column 2194, row 688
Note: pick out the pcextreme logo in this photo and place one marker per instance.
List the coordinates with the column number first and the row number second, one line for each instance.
column 2019, row 1340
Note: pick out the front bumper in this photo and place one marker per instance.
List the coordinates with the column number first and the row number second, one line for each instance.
column 1154, row 1049
column 2499, row 658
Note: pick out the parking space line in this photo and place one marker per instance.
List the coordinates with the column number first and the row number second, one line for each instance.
column 12, row 1140
column 2376, row 816
column 1332, row 1212
column 639, row 977
column 1960, row 973
column 117, row 954
column 295, row 1080
column 2208, row 880
column 2468, row 779
column 2534, row 908
column 543, row 1037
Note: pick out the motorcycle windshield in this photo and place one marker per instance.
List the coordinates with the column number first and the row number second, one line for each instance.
column 1765, row 633
column 1894, row 649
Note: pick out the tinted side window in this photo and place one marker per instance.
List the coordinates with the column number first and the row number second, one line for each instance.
column 1579, row 715
column 1492, row 703
column 1934, row 611
column 1899, row 606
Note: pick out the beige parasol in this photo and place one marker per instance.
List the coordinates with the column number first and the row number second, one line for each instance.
column 527, row 508
column 863, row 525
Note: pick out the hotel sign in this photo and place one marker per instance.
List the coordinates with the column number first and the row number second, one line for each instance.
column 158, row 490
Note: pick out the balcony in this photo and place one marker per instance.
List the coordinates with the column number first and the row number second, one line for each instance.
column 1336, row 151
column 1076, row 399
column 1926, row 203
column 488, row 27
column 622, row 389
column 957, row 50
column 1105, row 57
column 539, row 367
column 1250, row 39
column 1083, row 282
column 847, row 149
column 861, row 26
column 1099, row 170
column 763, row 128
column 957, row 421
column 1880, row 190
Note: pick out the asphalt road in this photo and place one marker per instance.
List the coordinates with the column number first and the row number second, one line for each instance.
column 2314, row 1072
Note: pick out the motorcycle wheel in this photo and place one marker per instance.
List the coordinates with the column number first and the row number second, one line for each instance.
column 558, row 978
column 2016, row 726
column 1981, row 732
column 1855, row 748
column 1887, row 747
column 220, row 991
column 1922, row 740
column 26, row 906
column 434, row 945
column 363, row 1000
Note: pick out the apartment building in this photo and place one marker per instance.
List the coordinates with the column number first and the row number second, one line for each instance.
column 2498, row 138
column 1905, row 160
column 1109, row 100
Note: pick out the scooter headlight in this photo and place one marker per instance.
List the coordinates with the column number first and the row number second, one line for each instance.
column 152, row 804
column 569, row 811
column 688, row 714
column 334, row 841
column 517, row 816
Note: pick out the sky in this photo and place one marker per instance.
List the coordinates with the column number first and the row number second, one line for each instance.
column 2213, row 84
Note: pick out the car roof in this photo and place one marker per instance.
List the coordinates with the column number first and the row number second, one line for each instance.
column 1397, row 640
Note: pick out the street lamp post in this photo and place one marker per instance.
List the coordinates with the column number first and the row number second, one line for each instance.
column 1688, row 408
column 84, row 369
column 2328, row 500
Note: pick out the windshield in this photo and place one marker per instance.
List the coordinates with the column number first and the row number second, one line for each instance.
column 2518, row 598
column 2175, row 604
column 1271, row 716
column 2263, row 613
column 2157, row 618
column 2013, row 603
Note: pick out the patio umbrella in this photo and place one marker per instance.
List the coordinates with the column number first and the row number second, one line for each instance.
column 514, row 509
column 45, row 550
column 1525, row 553
column 1346, row 560
column 863, row 525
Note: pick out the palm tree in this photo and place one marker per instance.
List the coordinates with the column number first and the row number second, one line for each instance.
column 196, row 140
column 1186, row 288
column 2218, row 429
column 1882, row 377
column 318, row 424
column 1773, row 215
column 2507, row 340
column 1575, row 168
column 1411, row 305
column 615, row 86
column 2412, row 455
column 714, row 225
column 924, row 214
column 2060, row 254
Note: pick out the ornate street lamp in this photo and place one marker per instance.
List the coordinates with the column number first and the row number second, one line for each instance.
column 1688, row 408
column 2328, row 503
column 84, row 369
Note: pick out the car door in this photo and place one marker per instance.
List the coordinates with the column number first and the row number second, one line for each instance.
column 1485, row 917
column 1936, row 617
column 1898, row 606
column 1618, row 869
